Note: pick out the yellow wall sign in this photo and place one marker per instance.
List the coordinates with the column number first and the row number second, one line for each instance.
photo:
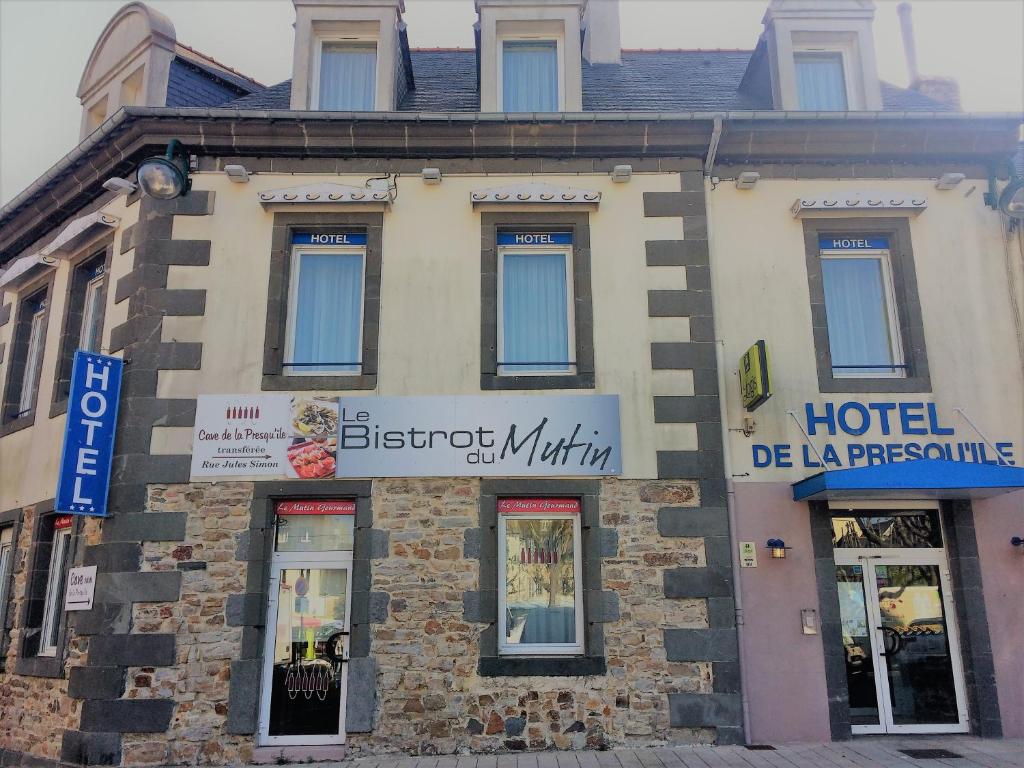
column 755, row 380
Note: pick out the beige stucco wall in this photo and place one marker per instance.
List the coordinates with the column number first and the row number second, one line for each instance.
column 30, row 457
column 430, row 306
column 761, row 292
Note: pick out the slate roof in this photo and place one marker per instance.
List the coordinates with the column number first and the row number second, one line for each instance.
column 196, row 80
column 646, row 81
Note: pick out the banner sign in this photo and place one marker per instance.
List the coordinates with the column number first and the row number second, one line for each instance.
column 538, row 506
column 902, row 431
column 81, row 588
column 534, row 238
column 316, row 507
column 847, row 243
column 84, row 479
column 318, row 437
column 338, row 238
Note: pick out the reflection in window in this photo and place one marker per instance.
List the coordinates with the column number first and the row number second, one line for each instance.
column 540, row 601
column 314, row 533
column 860, row 670
column 55, row 583
column 887, row 530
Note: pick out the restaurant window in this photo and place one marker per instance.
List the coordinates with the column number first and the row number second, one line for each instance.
column 83, row 320
column 29, row 343
column 537, row 315
column 346, row 76
column 860, row 305
column 535, row 292
column 325, row 309
column 540, row 603
column 821, row 81
column 529, row 76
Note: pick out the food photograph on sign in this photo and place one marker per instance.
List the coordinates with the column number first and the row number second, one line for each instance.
column 313, row 451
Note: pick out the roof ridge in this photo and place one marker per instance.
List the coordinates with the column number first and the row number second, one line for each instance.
column 223, row 66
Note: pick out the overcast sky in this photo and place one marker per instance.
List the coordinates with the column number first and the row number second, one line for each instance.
column 44, row 45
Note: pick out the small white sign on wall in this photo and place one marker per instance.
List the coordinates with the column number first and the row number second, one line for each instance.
column 81, row 588
column 748, row 554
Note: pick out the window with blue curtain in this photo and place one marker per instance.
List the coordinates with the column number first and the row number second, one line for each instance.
column 529, row 80
column 535, row 313
column 326, row 333
column 348, row 77
column 860, row 336
column 820, row 82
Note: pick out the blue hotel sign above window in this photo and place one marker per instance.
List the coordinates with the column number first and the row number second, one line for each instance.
column 852, row 243
column 84, row 479
column 334, row 238
column 534, row 238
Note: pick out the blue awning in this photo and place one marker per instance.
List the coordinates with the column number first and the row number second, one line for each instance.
column 919, row 479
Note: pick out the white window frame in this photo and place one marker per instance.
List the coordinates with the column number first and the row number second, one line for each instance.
column 33, row 361
column 6, row 556
column 318, row 50
column 537, row 649
column 91, row 313
column 293, row 294
column 54, row 601
column 559, row 42
column 884, row 257
column 570, row 300
column 845, row 52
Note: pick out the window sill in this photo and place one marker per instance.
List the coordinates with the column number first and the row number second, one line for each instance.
column 40, row 666
column 281, row 383
column 541, row 666
column 853, row 384
column 58, row 408
column 18, row 424
column 490, row 381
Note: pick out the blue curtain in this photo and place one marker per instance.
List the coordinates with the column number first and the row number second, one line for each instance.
column 535, row 322
column 348, row 77
column 327, row 313
column 530, row 76
column 858, row 320
column 820, row 83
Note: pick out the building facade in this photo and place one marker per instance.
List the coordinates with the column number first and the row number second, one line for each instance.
column 430, row 434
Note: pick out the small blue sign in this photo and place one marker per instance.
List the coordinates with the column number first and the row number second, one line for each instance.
column 535, row 238
column 84, row 479
column 335, row 238
column 852, row 243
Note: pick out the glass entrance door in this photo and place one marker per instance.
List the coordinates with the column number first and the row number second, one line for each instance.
column 304, row 670
column 902, row 656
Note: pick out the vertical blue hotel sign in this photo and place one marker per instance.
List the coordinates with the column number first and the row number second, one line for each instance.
column 84, row 478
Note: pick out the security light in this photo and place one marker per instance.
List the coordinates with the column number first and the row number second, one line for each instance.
column 165, row 177
column 622, row 173
column 431, row 175
column 119, row 185
column 1011, row 202
column 747, row 180
column 237, row 173
column 949, row 180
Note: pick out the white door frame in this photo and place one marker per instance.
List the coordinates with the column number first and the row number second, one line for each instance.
column 335, row 560
column 869, row 559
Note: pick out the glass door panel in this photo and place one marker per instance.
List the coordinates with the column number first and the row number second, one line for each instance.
column 917, row 658
column 306, row 671
column 859, row 656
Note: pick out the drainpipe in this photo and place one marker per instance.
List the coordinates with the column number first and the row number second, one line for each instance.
column 730, row 489
column 716, row 136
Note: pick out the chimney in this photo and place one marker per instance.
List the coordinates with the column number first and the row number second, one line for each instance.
column 602, row 42
column 944, row 90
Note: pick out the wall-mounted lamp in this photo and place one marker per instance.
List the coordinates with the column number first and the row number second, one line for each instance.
column 237, row 173
column 165, row 176
column 949, row 180
column 431, row 175
column 747, row 179
column 119, row 185
column 778, row 548
column 1017, row 541
column 622, row 173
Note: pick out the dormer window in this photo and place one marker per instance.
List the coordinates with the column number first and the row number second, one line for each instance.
column 530, row 76
column 346, row 75
column 821, row 81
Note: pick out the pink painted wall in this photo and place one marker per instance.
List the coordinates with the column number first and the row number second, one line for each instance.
column 785, row 670
column 996, row 521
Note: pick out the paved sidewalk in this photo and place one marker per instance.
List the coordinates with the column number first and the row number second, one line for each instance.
column 859, row 753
